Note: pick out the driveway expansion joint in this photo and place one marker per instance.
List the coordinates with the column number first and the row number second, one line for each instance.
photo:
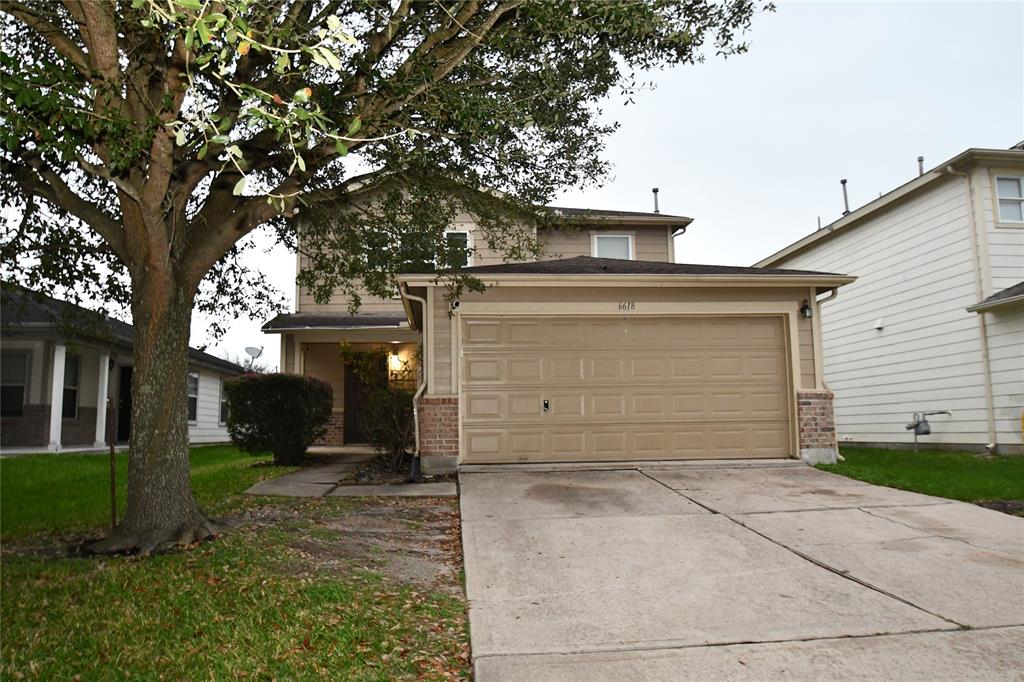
column 816, row 562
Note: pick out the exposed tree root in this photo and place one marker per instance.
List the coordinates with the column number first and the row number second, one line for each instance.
column 126, row 540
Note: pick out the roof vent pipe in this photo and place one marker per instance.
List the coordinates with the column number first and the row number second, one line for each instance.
column 920, row 166
column 654, row 191
column 846, row 199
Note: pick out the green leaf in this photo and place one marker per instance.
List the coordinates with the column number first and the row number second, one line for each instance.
column 331, row 59
column 190, row 37
column 239, row 187
column 220, row 139
column 233, row 150
column 355, row 125
column 318, row 57
column 179, row 138
column 340, row 147
column 138, row 4
column 333, row 22
column 301, row 96
column 301, row 162
column 189, row 4
column 204, row 32
column 282, row 63
column 202, row 152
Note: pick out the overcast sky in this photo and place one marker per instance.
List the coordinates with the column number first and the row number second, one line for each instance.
column 753, row 147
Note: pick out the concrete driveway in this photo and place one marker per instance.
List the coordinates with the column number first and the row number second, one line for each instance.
column 739, row 571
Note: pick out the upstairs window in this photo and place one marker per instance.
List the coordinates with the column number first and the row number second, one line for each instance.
column 193, row 396
column 458, row 249
column 13, row 380
column 72, row 370
column 1011, row 199
column 612, row 246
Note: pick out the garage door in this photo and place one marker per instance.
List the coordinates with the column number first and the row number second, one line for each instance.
column 618, row 388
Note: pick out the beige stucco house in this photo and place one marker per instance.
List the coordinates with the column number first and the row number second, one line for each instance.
column 603, row 350
column 935, row 321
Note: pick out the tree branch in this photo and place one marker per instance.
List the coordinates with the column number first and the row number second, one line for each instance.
column 38, row 179
column 55, row 36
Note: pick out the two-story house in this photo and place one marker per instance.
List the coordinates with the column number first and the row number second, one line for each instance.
column 604, row 349
column 935, row 321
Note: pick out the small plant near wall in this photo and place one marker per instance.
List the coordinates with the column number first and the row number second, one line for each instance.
column 390, row 379
column 280, row 413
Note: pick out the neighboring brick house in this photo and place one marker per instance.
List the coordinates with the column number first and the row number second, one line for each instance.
column 51, row 348
column 604, row 349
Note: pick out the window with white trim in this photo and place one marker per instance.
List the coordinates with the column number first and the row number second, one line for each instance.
column 458, row 249
column 193, row 396
column 223, row 404
column 13, row 382
column 612, row 246
column 72, row 371
column 1010, row 191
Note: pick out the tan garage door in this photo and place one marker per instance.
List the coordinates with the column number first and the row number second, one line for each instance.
column 618, row 388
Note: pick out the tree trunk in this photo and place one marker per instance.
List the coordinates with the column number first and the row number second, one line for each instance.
column 161, row 510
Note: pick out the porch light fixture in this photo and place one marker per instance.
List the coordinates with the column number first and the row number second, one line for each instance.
column 394, row 362
column 806, row 311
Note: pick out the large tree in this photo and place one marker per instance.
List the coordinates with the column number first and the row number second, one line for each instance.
column 145, row 140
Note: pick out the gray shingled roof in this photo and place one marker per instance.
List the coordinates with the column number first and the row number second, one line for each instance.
column 586, row 265
column 601, row 213
column 1000, row 297
column 22, row 310
column 334, row 321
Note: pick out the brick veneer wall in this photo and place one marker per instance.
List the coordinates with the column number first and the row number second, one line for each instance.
column 31, row 428
column 81, row 430
column 439, row 426
column 335, row 430
column 817, row 423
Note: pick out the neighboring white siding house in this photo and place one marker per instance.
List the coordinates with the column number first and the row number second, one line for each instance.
column 901, row 339
column 63, row 386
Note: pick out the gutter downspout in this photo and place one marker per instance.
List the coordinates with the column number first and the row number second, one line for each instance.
column 404, row 291
column 820, row 359
column 982, row 323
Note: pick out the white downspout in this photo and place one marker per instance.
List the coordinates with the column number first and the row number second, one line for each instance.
column 820, row 360
column 404, row 291
column 982, row 323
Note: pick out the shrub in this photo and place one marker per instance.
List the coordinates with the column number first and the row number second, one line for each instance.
column 282, row 413
column 389, row 403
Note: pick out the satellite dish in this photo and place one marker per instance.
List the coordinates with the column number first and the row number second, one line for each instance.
column 254, row 352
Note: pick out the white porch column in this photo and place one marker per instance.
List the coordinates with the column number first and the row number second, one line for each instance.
column 57, row 396
column 101, row 401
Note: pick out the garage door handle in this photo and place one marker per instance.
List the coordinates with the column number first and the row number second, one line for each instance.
column 547, row 405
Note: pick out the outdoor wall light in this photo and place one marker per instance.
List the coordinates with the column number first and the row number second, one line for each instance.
column 394, row 362
column 806, row 311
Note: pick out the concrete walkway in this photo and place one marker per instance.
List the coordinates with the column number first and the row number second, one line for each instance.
column 738, row 572
column 324, row 480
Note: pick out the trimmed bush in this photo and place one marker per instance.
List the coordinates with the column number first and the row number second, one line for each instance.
column 280, row 413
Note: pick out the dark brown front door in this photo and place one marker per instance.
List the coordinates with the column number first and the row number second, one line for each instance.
column 356, row 393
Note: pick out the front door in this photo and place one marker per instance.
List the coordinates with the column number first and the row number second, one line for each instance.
column 124, row 405
column 356, row 396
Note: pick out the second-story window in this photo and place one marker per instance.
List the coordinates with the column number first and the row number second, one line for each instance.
column 1011, row 199
column 458, row 249
column 193, row 396
column 612, row 246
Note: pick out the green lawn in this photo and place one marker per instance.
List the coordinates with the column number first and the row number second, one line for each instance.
column 958, row 476
column 258, row 602
column 71, row 493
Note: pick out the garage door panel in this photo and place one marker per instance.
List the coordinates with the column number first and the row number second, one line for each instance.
column 711, row 403
column 625, row 388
